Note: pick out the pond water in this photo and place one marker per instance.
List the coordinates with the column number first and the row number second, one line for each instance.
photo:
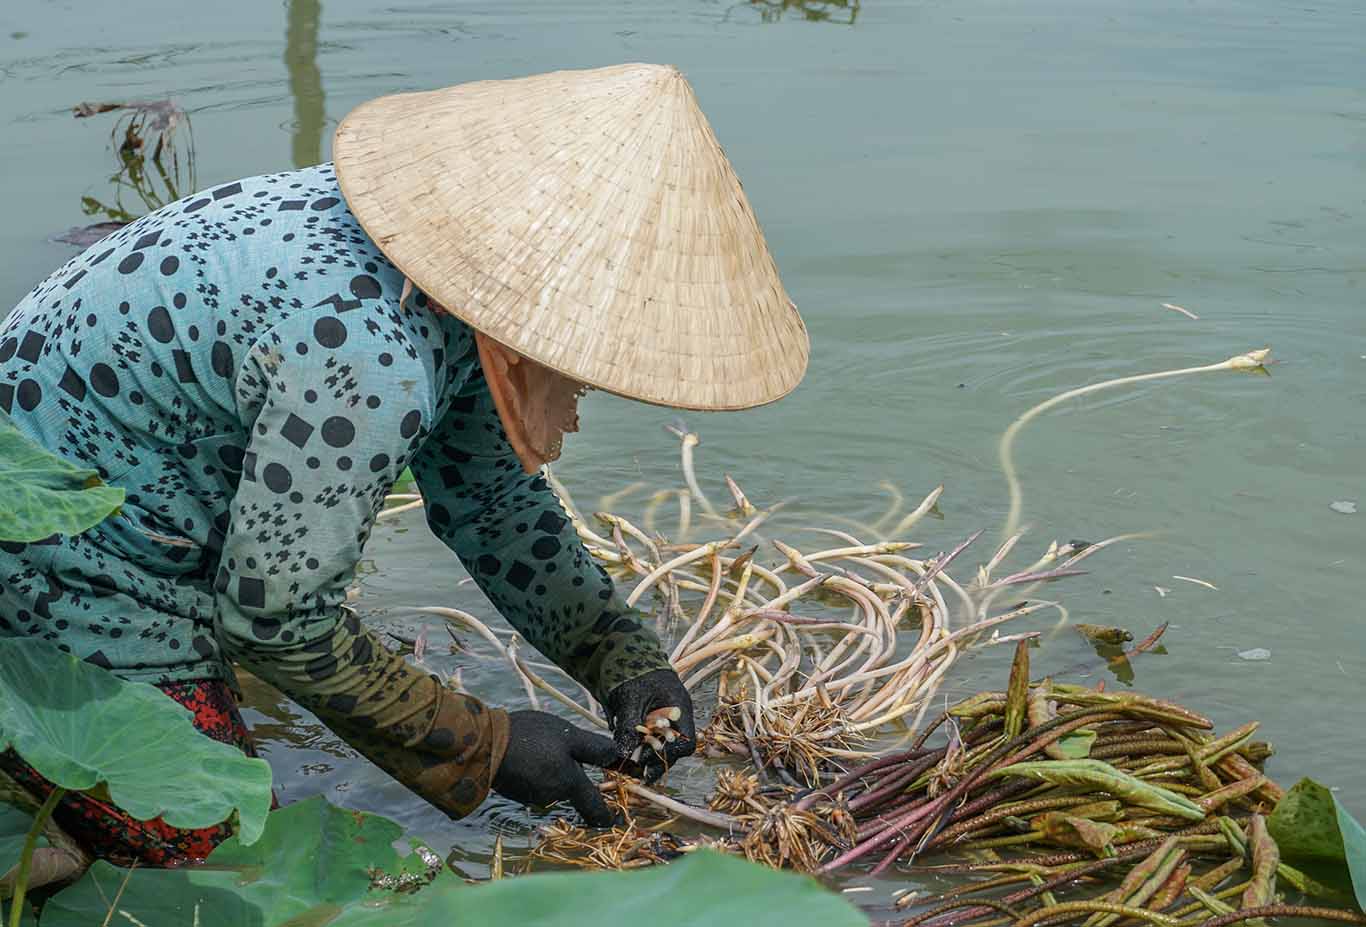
column 976, row 204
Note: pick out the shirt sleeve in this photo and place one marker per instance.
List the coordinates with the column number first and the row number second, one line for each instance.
column 514, row 538
column 329, row 431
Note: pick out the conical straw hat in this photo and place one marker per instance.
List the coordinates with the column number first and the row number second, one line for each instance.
column 586, row 219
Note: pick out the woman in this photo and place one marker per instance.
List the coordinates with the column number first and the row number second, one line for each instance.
column 257, row 363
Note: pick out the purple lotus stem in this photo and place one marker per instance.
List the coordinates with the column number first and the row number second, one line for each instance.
column 1130, row 851
column 970, row 808
column 931, row 826
column 893, row 829
column 894, row 782
column 853, row 776
column 901, row 846
column 985, row 801
column 1024, row 744
column 941, row 918
column 942, row 562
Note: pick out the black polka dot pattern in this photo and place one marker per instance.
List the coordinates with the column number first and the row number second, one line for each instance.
column 239, row 364
column 104, row 380
column 159, row 325
column 339, row 431
column 329, row 332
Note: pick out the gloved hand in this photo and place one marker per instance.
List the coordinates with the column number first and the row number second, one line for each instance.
column 630, row 702
column 541, row 765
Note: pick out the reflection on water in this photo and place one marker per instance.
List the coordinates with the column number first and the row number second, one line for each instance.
column 148, row 190
column 153, row 143
column 816, row 11
column 305, row 81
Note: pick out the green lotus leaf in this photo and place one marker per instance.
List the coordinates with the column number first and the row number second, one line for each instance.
column 314, row 866
column 42, row 494
column 1354, row 844
column 81, row 727
column 1100, row 776
column 701, row 890
column 1305, row 824
column 1311, row 826
column 1076, row 745
column 312, row 860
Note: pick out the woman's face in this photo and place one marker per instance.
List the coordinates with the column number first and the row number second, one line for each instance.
column 537, row 405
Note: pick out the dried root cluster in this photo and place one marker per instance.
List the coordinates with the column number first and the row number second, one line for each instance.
column 564, row 843
column 644, row 837
column 795, row 740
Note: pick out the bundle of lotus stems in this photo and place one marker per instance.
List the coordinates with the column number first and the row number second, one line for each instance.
column 813, row 652
column 1129, row 805
column 1054, row 803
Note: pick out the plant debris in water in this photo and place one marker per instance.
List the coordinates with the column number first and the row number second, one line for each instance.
column 83, row 236
column 153, row 143
column 140, row 122
column 1104, row 635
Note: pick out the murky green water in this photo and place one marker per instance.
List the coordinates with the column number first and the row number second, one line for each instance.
column 976, row 205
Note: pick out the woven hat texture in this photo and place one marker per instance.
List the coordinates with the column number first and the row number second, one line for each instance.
column 590, row 221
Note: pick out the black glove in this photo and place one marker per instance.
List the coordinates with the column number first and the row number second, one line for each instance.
column 630, row 702
column 541, row 765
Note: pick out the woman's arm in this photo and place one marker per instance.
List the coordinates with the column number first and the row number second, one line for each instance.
column 514, row 538
column 329, row 431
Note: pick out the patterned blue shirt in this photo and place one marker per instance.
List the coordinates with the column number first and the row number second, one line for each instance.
column 239, row 362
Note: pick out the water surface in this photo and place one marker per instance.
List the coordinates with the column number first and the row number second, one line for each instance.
column 976, row 205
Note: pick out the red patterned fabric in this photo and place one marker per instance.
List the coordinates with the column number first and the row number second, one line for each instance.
column 109, row 833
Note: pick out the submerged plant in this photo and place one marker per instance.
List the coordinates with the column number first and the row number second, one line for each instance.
column 153, row 142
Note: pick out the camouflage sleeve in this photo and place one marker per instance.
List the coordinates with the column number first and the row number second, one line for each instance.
column 329, row 434
column 510, row 532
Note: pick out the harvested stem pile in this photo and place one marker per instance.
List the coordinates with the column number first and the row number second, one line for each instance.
column 808, row 652
column 1132, row 805
column 806, row 670
column 813, row 652
column 806, row 667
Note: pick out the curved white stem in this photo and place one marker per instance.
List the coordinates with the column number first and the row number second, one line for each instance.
column 1249, row 361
